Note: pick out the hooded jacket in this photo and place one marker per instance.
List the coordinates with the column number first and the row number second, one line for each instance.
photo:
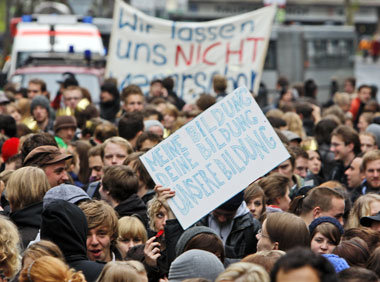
column 65, row 224
column 241, row 239
column 28, row 221
column 133, row 206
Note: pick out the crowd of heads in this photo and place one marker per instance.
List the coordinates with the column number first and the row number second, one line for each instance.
column 78, row 204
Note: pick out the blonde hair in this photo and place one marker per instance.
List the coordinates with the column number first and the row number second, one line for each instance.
column 294, row 124
column 138, row 266
column 342, row 99
column 9, row 247
column 50, row 269
column 154, row 206
column 131, row 227
column 244, row 271
column 119, row 141
column 26, row 186
column 99, row 213
column 361, row 207
column 277, row 113
column 120, row 271
column 41, row 249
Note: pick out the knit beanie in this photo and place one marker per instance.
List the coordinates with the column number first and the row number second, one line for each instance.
column 195, row 264
column 152, row 122
column 338, row 262
column 375, row 130
column 233, row 203
column 67, row 192
column 323, row 219
column 40, row 101
column 10, row 148
column 188, row 235
column 64, row 122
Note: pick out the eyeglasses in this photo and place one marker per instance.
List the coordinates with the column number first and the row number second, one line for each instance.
column 260, row 234
column 33, row 91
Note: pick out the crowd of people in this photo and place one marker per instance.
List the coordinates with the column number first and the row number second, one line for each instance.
column 78, row 204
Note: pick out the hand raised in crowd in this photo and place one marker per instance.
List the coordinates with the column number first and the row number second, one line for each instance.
column 162, row 194
column 152, row 251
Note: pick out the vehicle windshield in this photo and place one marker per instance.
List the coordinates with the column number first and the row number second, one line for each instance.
column 91, row 82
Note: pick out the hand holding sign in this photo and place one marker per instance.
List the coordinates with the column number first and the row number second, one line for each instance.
column 215, row 156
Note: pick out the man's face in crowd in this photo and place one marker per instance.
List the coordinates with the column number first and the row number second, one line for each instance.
column 336, row 211
column 372, row 173
column 105, row 97
column 156, row 89
column 98, row 244
column 348, row 87
column 364, row 94
column 223, row 216
column 304, row 273
column 301, row 166
column 134, row 103
column 72, row 98
column 285, row 168
column 34, row 90
column 367, row 143
column 66, row 134
column 114, row 154
column 56, row 173
column 40, row 114
column 339, row 148
column 354, row 177
column 95, row 164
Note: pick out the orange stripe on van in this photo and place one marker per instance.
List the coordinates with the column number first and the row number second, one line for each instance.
column 57, row 33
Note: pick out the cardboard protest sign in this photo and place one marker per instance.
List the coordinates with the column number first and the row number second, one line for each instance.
column 144, row 48
column 215, row 156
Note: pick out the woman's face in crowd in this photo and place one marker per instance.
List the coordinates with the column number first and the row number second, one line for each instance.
column 125, row 243
column 362, row 124
column 255, row 206
column 314, row 162
column 321, row 244
column 375, row 207
column 168, row 121
column 284, row 201
column 263, row 241
column 14, row 113
column 160, row 219
column 367, row 143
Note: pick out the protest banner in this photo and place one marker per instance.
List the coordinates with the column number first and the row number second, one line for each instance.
column 215, row 156
column 144, row 48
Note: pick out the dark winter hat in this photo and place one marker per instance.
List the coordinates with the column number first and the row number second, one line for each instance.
column 68, row 79
column 40, row 101
column 368, row 220
column 64, row 122
column 111, row 88
column 323, row 219
column 188, row 235
column 233, row 203
column 67, row 192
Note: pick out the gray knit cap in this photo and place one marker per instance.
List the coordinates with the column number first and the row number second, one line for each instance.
column 375, row 130
column 188, row 235
column 67, row 192
column 195, row 264
column 152, row 122
column 40, row 101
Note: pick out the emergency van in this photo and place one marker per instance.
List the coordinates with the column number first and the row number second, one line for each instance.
column 55, row 34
